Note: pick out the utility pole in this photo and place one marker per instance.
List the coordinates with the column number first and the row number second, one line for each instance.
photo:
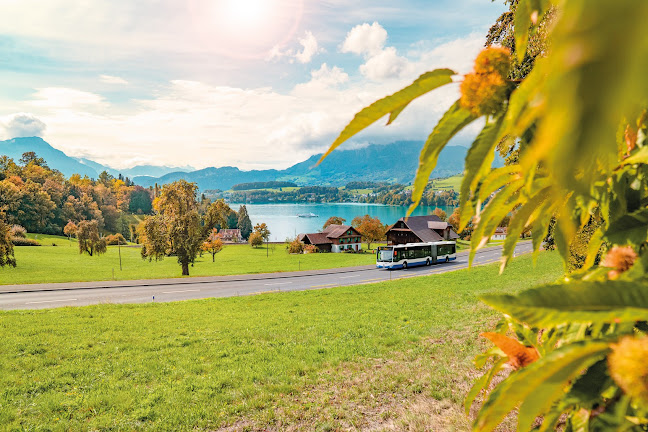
column 119, row 249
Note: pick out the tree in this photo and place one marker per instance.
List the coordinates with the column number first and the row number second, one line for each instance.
column 213, row 244
column 217, row 216
column 334, row 220
column 140, row 201
column 244, row 223
column 175, row 227
column 263, row 230
column 454, row 219
column 256, row 239
column 576, row 348
column 31, row 158
column 7, row 257
column 70, row 229
column 89, row 240
column 440, row 214
column 371, row 229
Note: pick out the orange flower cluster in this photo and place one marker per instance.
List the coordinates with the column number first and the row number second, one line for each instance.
column 518, row 354
column 629, row 368
column 620, row 259
column 483, row 91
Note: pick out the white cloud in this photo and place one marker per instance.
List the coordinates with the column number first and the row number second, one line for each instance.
column 61, row 97
column 365, row 39
column 384, row 65
column 109, row 79
column 321, row 79
column 24, row 125
column 310, row 48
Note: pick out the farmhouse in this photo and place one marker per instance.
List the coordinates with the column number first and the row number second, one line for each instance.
column 334, row 238
column 231, row 235
column 500, row 233
column 419, row 229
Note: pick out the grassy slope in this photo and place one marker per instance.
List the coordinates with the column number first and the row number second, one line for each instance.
column 63, row 263
column 449, row 183
column 370, row 355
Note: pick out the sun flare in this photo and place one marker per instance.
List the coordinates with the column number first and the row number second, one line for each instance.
column 246, row 14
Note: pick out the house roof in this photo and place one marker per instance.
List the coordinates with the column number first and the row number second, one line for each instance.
column 437, row 225
column 501, row 230
column 230, row 231
column 336, row 231
column 426, row 227
column 316, row 238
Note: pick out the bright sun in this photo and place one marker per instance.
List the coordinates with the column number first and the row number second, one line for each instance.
column 245, row 28
column 249, row 14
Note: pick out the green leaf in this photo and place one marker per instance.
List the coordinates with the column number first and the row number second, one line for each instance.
column 479, row 158
column 522, row 24
column 392, row 104
column 497, row 179
column 638, row 157
column 593, row 248
column 629, row 229
column 455, row 119
column 521, row 219
column 547, row 376
column 577, row 301
column 483, row 382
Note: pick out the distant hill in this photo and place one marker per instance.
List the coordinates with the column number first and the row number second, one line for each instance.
column 14, row 148
column 391, row 163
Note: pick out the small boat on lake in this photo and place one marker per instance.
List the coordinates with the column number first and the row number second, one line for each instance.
column 307, row 215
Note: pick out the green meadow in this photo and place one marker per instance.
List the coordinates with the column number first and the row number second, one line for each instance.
column 392, row 355
column 63, row 263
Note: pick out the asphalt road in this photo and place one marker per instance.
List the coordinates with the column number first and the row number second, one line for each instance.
column 41, row 296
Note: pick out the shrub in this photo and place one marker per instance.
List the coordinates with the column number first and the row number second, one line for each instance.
column 18, row 231
column 311, row 248
column 115, row 239
column 256, row 239
column 20, row 241
column 295, row 246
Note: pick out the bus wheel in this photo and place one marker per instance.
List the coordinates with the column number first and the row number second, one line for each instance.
column 427, row 262
column 405, row 265
column 447, row 259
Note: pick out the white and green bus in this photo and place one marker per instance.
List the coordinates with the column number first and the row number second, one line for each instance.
column 415, row 254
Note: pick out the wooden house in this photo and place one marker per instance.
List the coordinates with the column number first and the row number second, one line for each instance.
column 420, row 229
column 334, row 238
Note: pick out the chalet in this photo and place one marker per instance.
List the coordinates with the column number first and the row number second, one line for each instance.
column 334, row 238
column 420, row 229
column 231, row 235
column 500, row 233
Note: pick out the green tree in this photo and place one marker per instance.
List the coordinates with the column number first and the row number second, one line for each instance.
column 217, row 216
column 334, row 220
column 7, row 257
column 140, row 201
column 577, row 347
column 89, row 240
column 175, row 227
column 32, row 158
column 244, row 223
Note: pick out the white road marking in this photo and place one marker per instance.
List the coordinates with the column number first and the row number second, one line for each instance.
column 347, row 277
column 181, row 291
column 279, row 283
column 51, row 301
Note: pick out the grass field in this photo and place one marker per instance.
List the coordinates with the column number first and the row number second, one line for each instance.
column 63, row 263
column 450, row 183
column 392, row 355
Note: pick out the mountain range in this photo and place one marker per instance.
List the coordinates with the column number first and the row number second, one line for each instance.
column 15, row 147
column 392, row 163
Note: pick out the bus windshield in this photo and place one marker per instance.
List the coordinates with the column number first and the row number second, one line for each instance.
column 385, row 254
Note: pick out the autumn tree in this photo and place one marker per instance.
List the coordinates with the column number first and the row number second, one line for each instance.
column 175, row 227
column 371, row 229
column 70, row 229
column 256, row 239
column 263, row 230
column 244, row 223
column 440, row 214
column 7, row 257
column 89, row 240
column 213, row 244
column 334, row 220
column 454, row 220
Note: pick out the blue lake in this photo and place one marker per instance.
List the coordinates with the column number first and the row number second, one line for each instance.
column 283, row 222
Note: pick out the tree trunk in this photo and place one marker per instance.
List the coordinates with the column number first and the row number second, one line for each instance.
column 213, row 257
column 185, row 269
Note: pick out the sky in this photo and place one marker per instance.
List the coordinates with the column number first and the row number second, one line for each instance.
column 256, row 84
